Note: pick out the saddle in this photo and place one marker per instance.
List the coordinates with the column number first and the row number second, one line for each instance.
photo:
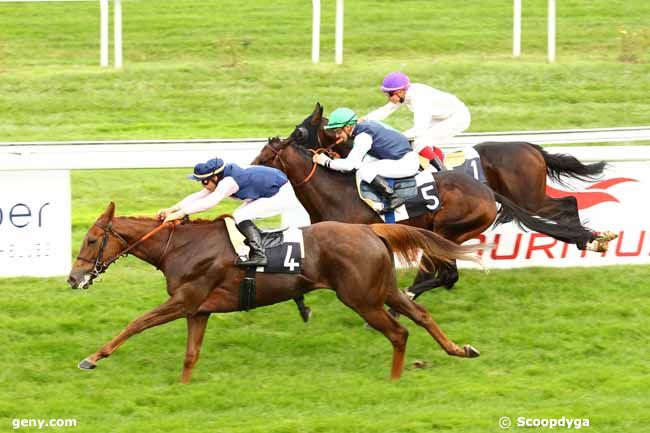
column 466, row 161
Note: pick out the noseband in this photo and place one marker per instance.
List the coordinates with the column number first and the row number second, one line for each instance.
column 98, row 265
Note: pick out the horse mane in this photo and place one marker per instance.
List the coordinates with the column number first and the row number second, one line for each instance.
column 197, row 221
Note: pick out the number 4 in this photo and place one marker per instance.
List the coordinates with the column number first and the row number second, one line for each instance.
column 289, row 262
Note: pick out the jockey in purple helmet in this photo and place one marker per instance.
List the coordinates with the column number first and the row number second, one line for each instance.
column 437, row 116
column 264, row 190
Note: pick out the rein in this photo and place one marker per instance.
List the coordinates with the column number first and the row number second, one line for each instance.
column 100, row 266
column 326, row 150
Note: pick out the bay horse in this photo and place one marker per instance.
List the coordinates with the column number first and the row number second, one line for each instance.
column 516, row 170
column 198, row 262
column 468, row 207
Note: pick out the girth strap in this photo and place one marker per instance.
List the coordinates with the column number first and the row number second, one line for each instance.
column 247, row 290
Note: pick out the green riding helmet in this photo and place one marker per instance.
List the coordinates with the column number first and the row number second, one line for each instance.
column 341, row 117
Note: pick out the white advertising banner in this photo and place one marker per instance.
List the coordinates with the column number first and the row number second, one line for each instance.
column 35, row 223
column 619, row 202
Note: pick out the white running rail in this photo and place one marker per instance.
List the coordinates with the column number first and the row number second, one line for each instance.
column 185, row 153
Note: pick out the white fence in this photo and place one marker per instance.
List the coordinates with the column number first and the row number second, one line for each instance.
column 185, row 153
column 103, row 26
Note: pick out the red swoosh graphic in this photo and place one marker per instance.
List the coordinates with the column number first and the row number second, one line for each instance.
column 585, row 199
column 604, row 184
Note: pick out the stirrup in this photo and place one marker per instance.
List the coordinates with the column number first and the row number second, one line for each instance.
column 252, row 261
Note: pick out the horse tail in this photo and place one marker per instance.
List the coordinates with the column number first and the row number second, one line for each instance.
column 407, row 242
column 559, row 165
column 565, row 231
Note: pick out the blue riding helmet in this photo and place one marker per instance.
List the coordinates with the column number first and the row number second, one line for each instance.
column 204, row 170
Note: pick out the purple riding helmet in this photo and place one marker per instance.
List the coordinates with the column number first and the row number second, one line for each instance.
column 395, row 81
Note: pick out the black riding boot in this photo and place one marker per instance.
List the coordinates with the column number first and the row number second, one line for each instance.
column 387, row 192
column 256, row 256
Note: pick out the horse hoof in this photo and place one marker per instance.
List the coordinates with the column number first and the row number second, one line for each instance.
column 410, row 295
column 86, row 365
column 471, row 352
column 608, row 236
column 419, row 364
column 305, row 314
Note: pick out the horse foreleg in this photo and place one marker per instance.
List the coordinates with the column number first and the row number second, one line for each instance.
column 401, row 303
column 195, row 331
column 170, row 310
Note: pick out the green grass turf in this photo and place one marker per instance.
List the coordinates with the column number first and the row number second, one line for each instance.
column 199, row 69
column 554, row 342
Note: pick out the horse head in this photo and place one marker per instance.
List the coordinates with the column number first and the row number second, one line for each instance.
column 271, row 154
column 311, row 134
column 100, row 247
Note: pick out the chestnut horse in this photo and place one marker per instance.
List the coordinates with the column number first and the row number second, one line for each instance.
column 197, row 260
column 467, row 207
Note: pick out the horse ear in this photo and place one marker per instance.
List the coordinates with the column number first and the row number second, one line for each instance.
column 109, row 212
column 317, row 115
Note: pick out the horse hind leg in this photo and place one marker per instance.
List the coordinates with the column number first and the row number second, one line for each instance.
column 566, row 209
column 396, row 334
column 560, row 209
column 446, row 277
column 304, row 310
column 401, row 303
column 383, row 322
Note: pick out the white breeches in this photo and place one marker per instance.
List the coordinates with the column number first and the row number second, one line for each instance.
column 394, row 168
column 266, row 206
column 443, row 129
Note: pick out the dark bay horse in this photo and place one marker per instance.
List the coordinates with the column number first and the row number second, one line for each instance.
column 197, row 260
column 516, row 170
column 467, row 206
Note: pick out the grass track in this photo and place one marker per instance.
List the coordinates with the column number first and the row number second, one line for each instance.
column 558, row 342
column 563, row 342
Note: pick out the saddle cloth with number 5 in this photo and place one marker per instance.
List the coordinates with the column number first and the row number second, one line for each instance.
column 284, row 248
column 419, row 191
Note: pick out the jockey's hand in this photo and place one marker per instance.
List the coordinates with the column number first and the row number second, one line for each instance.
column 322, row 159
column 162, row 213
column 176, row 215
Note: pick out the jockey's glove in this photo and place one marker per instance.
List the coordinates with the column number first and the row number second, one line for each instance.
column 322, row 159
column 162, row 213
column 176, row 215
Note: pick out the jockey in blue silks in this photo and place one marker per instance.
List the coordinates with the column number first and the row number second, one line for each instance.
column 265, row 191
column 393, row 153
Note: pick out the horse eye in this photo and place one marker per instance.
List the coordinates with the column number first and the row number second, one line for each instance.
column 301, row 134
column 91, row 241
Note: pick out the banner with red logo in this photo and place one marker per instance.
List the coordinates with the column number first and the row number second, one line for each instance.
column 617, row 202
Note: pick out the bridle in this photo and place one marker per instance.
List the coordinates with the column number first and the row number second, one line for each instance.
column 277, row 155
column 99, row 266
column 301, row 133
